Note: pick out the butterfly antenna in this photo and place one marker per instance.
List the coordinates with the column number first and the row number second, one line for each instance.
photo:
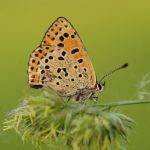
column 121, row 67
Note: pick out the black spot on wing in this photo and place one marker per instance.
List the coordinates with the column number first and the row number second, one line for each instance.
column 72, row 36
column 36, row 86
column 61, row 38
column 60, row 45
column 58, row 70
column 46, row 67
column 60, row 58
column 42, row 71
column 80, row 60
column 76, row 50
column 66, row 35
column 80, row 75
column 50, row 57
column 46, row 60
column 57, row 83
column 63, row 53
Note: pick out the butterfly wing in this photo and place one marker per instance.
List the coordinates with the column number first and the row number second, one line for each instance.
column 61, row 61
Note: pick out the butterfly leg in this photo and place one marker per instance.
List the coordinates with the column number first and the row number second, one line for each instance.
column 95, row 99
column 69, row 98
column 83, row 95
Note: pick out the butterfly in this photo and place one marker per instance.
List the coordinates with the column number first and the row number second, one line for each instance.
column 61, row 63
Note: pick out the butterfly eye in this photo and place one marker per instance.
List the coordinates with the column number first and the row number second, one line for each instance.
column 100, row 87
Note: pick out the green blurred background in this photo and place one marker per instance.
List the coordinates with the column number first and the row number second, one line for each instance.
column 113, row 32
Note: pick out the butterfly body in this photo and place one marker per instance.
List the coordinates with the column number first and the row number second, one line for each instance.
column 62, row 64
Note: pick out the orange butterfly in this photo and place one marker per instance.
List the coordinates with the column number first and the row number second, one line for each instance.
column 62, row 64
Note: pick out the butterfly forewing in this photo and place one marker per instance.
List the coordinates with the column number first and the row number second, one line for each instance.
column 61, row 62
